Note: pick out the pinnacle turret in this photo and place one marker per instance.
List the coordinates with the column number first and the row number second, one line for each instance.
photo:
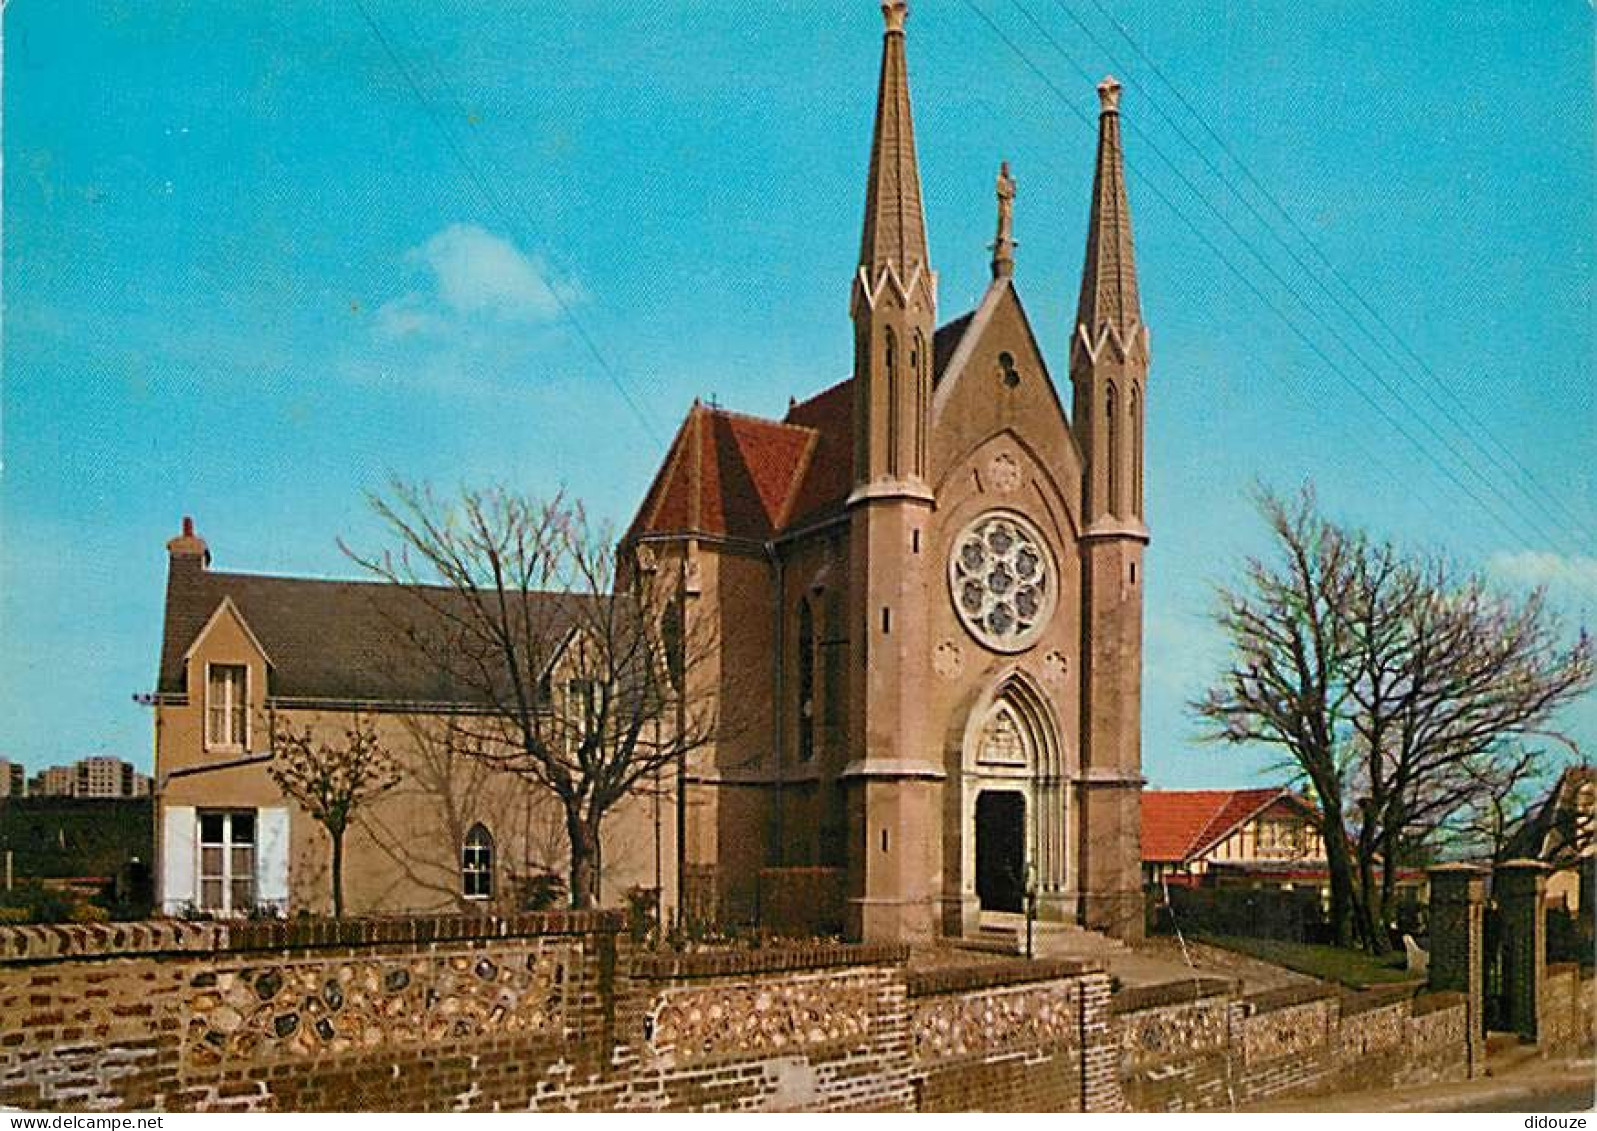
column 894, row 236
column 1109, row 300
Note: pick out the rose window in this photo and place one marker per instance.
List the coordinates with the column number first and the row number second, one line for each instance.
column 1002, row 581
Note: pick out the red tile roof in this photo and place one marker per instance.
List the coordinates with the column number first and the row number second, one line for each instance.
column 830, row 474
column 758, row 477
column 1178, row 824
column 745, row 476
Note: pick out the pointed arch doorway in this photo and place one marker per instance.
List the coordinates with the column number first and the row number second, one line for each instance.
column 1001, row 850
column 1015, row 819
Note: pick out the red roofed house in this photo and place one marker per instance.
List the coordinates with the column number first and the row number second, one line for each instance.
column 1209, row 836
column 925, row 582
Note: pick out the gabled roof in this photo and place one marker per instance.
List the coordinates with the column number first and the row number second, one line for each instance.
column 726, row 474
column 1563, row 825
column 335, row 640
column 1179, row 824
column 730, row 475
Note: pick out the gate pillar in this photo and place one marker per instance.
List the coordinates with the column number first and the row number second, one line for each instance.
column 1457, row 919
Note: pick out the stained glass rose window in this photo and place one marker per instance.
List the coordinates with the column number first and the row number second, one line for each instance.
column 1002, row 580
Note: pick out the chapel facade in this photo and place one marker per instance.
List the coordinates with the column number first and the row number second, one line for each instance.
column 926, row 586
column 923, row 592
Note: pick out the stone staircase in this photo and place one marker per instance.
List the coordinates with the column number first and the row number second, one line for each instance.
column 1005, row 933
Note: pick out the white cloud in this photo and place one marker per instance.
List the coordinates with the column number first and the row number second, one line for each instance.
column 1574, row 573
column 474, row 277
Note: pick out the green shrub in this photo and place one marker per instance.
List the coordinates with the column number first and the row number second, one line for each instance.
column 540, row 891
column 38, row 903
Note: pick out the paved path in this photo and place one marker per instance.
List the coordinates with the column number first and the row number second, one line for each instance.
column 1533, row 1087
column 1161, row 960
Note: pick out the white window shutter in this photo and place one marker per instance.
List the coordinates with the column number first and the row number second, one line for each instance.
column 271, row 857
column 178, row 847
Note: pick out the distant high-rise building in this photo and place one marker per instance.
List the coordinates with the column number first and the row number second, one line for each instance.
column 103, row 776
column 97, row 776
column 13, row 779
column 57, row 781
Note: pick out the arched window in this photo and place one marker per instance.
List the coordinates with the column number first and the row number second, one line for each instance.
column 1136, row 451
column 1112, row 419
column 918, row 362
column 862, row 403
column 893, row 423
column 806, row 682
column 477, row 864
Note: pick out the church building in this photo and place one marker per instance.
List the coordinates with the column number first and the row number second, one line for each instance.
column 927, row 582
column 924, row 584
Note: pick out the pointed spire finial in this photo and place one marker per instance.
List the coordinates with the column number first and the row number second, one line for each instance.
column 894, row 236
column 1109, row 277
column 1004, row 245
column 1109, row 95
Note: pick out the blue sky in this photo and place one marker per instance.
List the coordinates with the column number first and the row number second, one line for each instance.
column 253, row 267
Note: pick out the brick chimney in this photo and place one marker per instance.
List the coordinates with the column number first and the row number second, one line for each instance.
column 188, row 548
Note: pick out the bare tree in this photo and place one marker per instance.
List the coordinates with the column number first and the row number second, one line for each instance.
column 1286, row 684
column 1489, row 825
column 332, row 780
column 450, row 791
column 560, row 677
column 1402, row 690
column 1448, row 682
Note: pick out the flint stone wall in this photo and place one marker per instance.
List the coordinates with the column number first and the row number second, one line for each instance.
column 556, row 1011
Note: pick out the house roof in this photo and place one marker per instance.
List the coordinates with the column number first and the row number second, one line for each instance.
column 1560, row 827
column 1179, row 824
column 731, row 475
column 334, row 640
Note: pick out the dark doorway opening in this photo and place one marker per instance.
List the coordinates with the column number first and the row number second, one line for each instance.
column 1001, row 850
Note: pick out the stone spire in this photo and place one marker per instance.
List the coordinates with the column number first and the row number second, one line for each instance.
column 1109, row 299
column 894, row 235
column 1004, row 243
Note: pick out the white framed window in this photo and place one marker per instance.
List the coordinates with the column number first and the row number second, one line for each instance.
column 477, row 864
column 1278, row 838
column 227, row 861
column 227, row 706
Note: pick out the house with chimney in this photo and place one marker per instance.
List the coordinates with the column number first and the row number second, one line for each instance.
column 926, row 583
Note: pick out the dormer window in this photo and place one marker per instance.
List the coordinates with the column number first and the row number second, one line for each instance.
column 227, row 707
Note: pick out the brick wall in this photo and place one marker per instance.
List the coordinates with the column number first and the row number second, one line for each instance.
column 557, row 1012
column 417, row 1013
column 1175, row 1047
column 1569, row 1006
column 1007, row 1038
column 1202, row 1047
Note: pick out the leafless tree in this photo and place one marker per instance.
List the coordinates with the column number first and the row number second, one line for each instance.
column 1286, row 686
column 561, row 678
column 1449, row 680
column 1402, row 689
column 449, row 791
column 1489, row 825
column 331, row 780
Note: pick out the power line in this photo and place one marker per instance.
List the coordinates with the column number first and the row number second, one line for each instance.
column 1540, row 492
column 494, row 201
column 1247, row 282
column 1355, row 439
column 1381, row 379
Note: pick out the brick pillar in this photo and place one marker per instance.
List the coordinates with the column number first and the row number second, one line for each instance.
column 1100, row 1047
column 1458, row 920
column 1520, row 887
